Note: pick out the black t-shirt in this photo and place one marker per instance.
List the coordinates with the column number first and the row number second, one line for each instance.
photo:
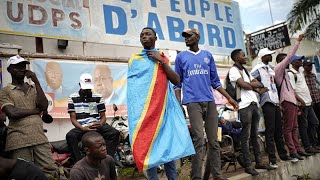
column 83, row 170
column 24, row 170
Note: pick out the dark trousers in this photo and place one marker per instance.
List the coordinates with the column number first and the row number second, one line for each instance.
column 273, row 133
column 290, row 126
column 316, row 109
column 198, row 113
column 250, row 118
column 110, row 135
column 308, row 125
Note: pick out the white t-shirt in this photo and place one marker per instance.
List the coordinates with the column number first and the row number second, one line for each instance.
column 247, row 96
column 300, row 86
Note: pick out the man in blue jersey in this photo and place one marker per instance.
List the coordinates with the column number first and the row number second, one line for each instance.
column 198, row 73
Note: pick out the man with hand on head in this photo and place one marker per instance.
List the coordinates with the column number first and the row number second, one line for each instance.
column 23, row 104
column 87, row 113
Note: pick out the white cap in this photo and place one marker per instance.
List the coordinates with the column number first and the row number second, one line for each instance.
column 16, row 60
column 86, row 81
column 265, row 51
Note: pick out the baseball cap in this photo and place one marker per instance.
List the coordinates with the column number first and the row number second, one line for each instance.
column 296, row 58
column 307, row 61
column 86, row 81
column 265, row 51
column 190, row 32
column 16, row 60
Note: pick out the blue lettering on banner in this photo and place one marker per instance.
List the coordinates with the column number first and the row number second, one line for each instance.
column 153, row 3
column 228, row 14
column 121, row 18
column 216, row 11
column 173, row 4
column 217, row 22
column 230, row 43
column 214, row 35
column 175, row 31
column 199, row 26
column 190, row 7
column 153, row 22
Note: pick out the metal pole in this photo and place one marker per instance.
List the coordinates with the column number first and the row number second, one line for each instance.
column 270, row 12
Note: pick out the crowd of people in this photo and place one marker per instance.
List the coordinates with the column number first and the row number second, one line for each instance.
column 288, row 97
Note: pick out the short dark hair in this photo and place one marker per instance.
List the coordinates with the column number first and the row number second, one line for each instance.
column 280, row 57
column 154, row 32
column 86, row 138
column 235, row 53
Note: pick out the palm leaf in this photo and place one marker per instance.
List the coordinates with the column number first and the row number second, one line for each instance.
column 303, row 13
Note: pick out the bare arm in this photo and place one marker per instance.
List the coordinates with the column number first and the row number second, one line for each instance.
column 74, row 120
column 230, row 100
column 17, row 113
column 281, row 67
column 41, row 101
column 172, row 76
column 177, row 92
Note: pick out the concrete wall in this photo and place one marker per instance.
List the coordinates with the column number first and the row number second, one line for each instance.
column 287, row 171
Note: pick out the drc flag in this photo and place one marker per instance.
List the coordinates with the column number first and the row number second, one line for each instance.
column 157, row 128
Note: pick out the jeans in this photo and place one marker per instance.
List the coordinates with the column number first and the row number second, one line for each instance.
column 308, row 125
column 290, row 126
column 316, row 109
column 273, row 133
column 250, row 118
column 198, row 113
column 170, row 169
column 109, row 134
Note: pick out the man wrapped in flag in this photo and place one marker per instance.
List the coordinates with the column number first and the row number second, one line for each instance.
column 158, row 130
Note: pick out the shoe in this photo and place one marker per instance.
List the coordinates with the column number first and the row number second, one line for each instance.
column 288, row 158
column 301, row 153
column 297, row 156
column 251, row 171
column 273, row 165
column 310, row 150
column 316, row 147
column 262, row 166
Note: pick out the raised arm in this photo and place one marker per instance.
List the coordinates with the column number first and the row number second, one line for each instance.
column 281, row 67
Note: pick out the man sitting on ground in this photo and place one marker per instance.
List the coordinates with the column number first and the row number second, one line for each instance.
column 96, row 164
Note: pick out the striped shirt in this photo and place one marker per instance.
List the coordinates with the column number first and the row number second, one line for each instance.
column 87, row 109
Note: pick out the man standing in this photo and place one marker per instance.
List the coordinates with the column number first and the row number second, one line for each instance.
column 198, row 73
column 96, row 164
column 313, row 84
column 87, row 113
column 288, row 102
column 307, row 120
column 269, row 101
column 248, row 110
column 154, row 113
column 23, row 103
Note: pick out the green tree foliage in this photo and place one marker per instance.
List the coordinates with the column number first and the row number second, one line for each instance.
column 305, row 14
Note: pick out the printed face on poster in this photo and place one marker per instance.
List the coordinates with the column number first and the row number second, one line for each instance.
column 59, row 79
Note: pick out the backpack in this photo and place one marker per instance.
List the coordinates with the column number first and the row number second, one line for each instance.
column 234, row 92
column 283, row 79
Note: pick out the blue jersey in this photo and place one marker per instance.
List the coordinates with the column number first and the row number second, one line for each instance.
column 198, row 73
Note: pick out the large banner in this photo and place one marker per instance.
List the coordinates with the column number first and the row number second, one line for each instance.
column 120, row 22
column 273, row 39
column 59, row 79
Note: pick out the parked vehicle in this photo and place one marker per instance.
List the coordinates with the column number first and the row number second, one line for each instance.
column 124, row 156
